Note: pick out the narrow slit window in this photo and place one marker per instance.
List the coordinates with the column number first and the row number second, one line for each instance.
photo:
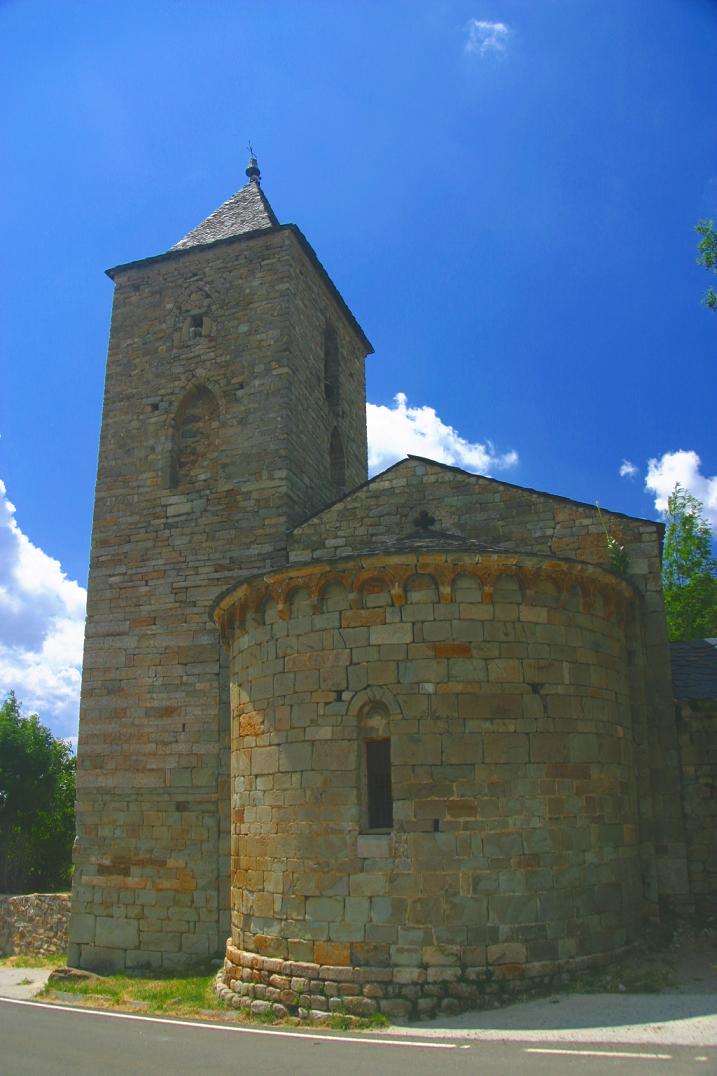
column 331, row 365
column 196, row 326
column 378, row 784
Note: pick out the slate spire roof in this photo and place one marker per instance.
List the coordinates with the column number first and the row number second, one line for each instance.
column 246, row 211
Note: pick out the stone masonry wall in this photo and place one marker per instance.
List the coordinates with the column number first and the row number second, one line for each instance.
column 34, row 924
column 517, row 849
column 697, row 725
column 525, row 520
column 199, row 448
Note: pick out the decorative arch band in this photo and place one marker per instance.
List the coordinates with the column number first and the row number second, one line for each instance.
column 581, row 587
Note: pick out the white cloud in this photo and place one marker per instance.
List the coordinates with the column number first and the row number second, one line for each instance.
column 394, row 432
column 628, row 469
column 42, row 616
column 682, row 466
column 485, row 37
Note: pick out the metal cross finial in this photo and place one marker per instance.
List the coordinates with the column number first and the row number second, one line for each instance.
column 252, row 169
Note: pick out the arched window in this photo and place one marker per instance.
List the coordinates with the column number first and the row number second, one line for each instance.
column 377, row 790
column 194, row 442
column 331, row 365
column 379, row 795
column 337, row 463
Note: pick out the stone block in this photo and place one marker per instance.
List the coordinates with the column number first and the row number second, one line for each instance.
column 501, row 747
column 512, row 909
column 332, row 954
column 368, row 885
column 416, row 749
column 116, row 933
column 467, row 670
column 295, row 757
column 82, row 928
column 334, row 755
column 143, row 959
column 549, row 747
column 466, row 748
column 102, row 960
column 373, row 846
column 506, row 953
column 505, row 671
column 327, row 909
column 359, row 1006
column 382, row 634
column 426, row 669
column 265, row 760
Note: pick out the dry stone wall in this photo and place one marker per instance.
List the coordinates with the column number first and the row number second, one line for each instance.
column 518, row 845
column 34, row 924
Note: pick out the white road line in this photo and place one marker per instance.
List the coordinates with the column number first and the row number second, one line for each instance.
column 600, row 1053
column 308, row 1035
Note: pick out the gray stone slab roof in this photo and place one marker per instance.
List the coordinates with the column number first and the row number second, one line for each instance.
column 694, row 669
column 428, row 540
column 246, row 211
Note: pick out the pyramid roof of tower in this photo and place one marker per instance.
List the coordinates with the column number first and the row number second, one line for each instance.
column 246, row 211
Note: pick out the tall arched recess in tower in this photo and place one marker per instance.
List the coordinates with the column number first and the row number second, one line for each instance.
column 195, row 435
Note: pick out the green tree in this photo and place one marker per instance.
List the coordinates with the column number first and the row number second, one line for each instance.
column 37, row 797
column 689, row 570
column 708, row 256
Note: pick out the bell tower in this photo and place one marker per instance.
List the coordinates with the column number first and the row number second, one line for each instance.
column 234, row 409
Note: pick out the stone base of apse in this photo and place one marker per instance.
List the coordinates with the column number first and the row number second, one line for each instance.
column 260, row 985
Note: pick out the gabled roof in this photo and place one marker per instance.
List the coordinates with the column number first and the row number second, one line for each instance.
column 246, row 211
column 694, row 669
column 448, row 467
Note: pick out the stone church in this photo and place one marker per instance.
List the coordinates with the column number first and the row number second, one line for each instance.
column 401, row 741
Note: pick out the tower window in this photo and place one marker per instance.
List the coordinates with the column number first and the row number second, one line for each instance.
column 196, row 326
column 337, row 463
column 331, row 365
column 379, row 797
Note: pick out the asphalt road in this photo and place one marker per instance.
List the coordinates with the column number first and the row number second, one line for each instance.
column 43, row 1039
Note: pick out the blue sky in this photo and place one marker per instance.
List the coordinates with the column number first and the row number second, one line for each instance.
column 504, row 191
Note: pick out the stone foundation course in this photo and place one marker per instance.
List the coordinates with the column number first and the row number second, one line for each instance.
column 316, row 992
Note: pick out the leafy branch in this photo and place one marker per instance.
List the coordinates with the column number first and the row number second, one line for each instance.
column 707, row 248
column 616, row 553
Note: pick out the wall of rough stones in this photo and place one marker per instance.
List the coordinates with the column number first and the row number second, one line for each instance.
column 34, row 924
column 204, row 464
column 520, row 846
column 697, row 728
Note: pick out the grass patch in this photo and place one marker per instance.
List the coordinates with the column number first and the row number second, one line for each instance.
column 340, row 1022
column 189, row 995
column 182, row 995
column 55, row 961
